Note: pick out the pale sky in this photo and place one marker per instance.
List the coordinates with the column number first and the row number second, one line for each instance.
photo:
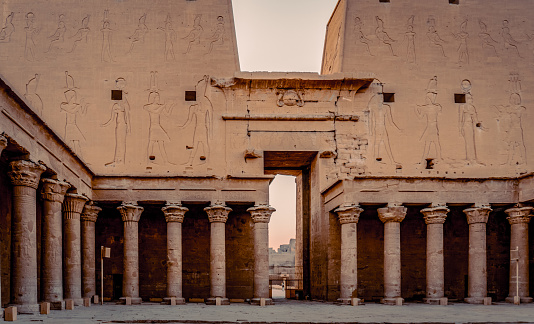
column 281, row 35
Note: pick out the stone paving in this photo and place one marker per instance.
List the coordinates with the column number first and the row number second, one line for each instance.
column 289, row 311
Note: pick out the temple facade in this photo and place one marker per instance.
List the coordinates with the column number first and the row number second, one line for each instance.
column 129, row 125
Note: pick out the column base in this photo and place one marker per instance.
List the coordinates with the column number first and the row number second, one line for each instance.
column 57, row 305
column 435, row 300
column 26, row 308
column 474, row 300
column 524, row 300
column 349, row 301
column 213, row 301
column 179, row 301
column 134, row 300
column 256, row 301
column 392, row 300
column 77, row 301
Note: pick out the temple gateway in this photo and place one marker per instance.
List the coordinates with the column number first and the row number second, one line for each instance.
column 129, row 125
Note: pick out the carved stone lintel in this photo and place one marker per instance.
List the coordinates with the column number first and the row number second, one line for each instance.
column 218, row 213
column 518, row 215
column 130, row 212
column 26, row 173
column 73, row 205
column 54, row 190
column 435, row 215
column 349, row 214
column 90, row 212
column 477, row 215
column 174, row 213
column 261, row 213
column 392, row 214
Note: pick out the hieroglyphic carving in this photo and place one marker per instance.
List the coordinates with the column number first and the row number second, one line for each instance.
column 72, row 107
column 58, row 37
column 430, row 111
column 139, row 33
column 156, row 133
column 509, row 42
column 218, row 35
column 201, row 116
column 120, row 117
column 81, row 34
column 194, row 35
column 170, row 38
column 433, row 35
column 514, row 83
column 487, row 40
column 31, row 94
column 31, row 31
column 8, row 29
column 289, row 98
column 468, row 123
column 359, row 33
column 106, row 39
column 463, row 53
column 382, row 35
column 409, row 37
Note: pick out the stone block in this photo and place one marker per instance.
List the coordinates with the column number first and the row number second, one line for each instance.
column 10, row 314
column 218, row 301
column 444, row 301
column 127, row 300
column 69, row 304
column 398, row 301
column 87, row 302
column 354, row 301
column 262, row 301
column 517, row 300
column 172, row 301
column 487, row 301
column 96, row 299
column 44, row 308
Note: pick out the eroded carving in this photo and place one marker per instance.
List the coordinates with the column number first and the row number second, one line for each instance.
column 382, row 35
column 120, row 118
column 430, row 112
column 194, row 35
column 468, row 123
column 463, row 53
column 511, row 126
column 261, row 213
column 73, row 107
column 289, row 98
column 433, row 35
column 170, row 38
column 31, row 31
column 218, row 36
column 409, row 37
column 32, row 96
column 7, row 30
column 81, row 34
column 359, row 33
column 105, row 55
column 58, row 37
column 139, row 33
column 487, row 40
column 509, row 42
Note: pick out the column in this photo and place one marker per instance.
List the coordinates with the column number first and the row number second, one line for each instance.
column 348, row 281
column 3, row 145
column 477, row 218
column 72, row 208
column 88, row 217
column 130, row 283
column 24, row 176
column 435, row 266
column 218, row 215
column 261, row 215
column 519, row 276
column 392, row 216
column 53, row 193
column 174, row 215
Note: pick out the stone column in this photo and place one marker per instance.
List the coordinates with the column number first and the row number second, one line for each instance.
column 392, row 216
column 435, row 266
column 218, row 215
column 261, row 215
column 3, row 145
column 89, row 216
column 519, row 219
column 53, row 193
column 130, row 283
column 25, row 177
column 348, row 281
column 72, row 208
column 174, row 215
column 477, row 218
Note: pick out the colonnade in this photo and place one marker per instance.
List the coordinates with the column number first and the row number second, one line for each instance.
column 435, row 217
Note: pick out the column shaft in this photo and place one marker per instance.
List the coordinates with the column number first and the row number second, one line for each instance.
column 130, row 284
column 174, row 215
column 89, row 217
column 519, row 219
column 3, row 145
column 217, row 214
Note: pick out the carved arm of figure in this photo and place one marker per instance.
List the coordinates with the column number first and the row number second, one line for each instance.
column 418, row 111
column 112, row 118
column 390, row 117
column 167, row 108
column 189, row 116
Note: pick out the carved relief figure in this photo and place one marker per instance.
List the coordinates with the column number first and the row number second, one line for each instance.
column 170, row 37
column 120, row 118
column 409, row 37
column 73, row 108
column 139, row 33
column 359, row 33
column 31, row 94
column 382, row 35
column 430, row 111
column 289, row 98
column 218, row 35
column 463, row 53
column 106, row 39
column 59, row 35
column 487, row 40
column 7, row 30
column 156, row 134
column 380, row 117
column 201, row 116
column 31, row 31
column 468, row 122
column 194, row 35
column 81, row 34
column 509, row 42
column 433, row 35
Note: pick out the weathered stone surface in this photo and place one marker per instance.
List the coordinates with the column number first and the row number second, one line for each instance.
column 89, row 217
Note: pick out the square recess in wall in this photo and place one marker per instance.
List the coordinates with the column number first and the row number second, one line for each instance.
column 116, row 94
column 459, row 98
column 389, row 97
column 190, row 96
column 454, row 1
column 383, row 1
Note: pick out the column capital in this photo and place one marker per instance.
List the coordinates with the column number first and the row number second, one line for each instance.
column 130, row 212
column 392, row 214
column 73, row 205
column 54, row 190
column 218, row 213
column 174, row 212
column 261, row 213
column 26, row 173
column 3, row 142
column 477, row 214
column 90, row 212
column 349, row 213
column 518, row 215
column 435, row 215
